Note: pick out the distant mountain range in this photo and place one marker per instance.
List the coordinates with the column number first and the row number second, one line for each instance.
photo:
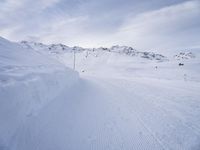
column 61, row 49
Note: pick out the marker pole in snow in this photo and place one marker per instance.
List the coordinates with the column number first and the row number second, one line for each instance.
column 74, row 67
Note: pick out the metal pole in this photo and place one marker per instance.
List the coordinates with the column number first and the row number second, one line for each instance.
column 74, row 67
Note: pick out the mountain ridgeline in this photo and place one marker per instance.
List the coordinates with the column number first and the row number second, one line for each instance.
column 62, row 49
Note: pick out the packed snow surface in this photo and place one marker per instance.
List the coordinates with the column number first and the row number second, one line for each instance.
column 124, row 99
column 28, row 82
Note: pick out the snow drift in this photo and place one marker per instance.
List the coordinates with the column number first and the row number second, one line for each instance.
column 28, row 81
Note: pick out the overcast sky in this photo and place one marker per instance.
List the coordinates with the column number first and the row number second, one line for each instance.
column 143, row 24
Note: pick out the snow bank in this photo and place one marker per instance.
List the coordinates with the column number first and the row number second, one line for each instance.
column 28, row 81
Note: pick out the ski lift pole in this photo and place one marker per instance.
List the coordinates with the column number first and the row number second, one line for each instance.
column 74, row 65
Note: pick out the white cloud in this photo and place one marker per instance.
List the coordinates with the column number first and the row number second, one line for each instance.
column 177, row 25
column 172, row 26
column 17, row 17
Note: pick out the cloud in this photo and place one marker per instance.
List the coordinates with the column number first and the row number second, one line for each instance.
column 23, row 14
column 172, row 26
column 144, row 24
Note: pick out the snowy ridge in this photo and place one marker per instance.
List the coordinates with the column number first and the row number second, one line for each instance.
column 184, row 55
column 28, row 82
column 133, row 52
column 61, row 49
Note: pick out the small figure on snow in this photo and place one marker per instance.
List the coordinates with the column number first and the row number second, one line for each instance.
column 181, row 64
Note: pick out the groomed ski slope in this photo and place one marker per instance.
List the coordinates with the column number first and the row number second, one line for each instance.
column 116, row 104
column 115, row 113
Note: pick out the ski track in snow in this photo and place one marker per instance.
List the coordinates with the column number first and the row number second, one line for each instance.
column 156, row 116
column 108, row 116
column 105, row 126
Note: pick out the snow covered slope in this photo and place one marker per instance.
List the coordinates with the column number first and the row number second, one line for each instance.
column 28, row 82
column 186, row 55
column 126, row 60
column 120, row 104
column 122, row 101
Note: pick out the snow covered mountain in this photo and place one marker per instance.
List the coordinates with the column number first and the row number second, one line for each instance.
column 184, row 55
column 61, row 49
column 122, row 58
